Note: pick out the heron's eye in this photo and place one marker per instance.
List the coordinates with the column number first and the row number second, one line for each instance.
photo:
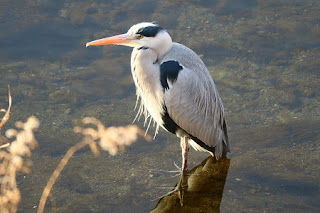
column 140, row 36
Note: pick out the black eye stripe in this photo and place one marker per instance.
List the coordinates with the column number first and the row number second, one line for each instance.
column 150, row 31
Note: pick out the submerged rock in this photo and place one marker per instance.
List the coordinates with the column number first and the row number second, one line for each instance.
column 63, row 95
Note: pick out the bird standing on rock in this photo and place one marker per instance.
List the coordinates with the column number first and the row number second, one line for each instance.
column 175, row 89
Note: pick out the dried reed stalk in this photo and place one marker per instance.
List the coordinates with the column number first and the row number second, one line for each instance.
column 6, row 116
column 7, row 112
column 110, row 139
column 58, row 171
column 13, row 160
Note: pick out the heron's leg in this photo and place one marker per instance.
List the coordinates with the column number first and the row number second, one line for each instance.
column 184, row 151
column 179, row 188
column 184, row 148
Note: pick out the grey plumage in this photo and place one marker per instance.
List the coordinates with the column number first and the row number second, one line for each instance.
column 192, row 101
column 183, row 99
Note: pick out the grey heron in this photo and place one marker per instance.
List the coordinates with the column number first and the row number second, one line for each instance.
column 175, row 89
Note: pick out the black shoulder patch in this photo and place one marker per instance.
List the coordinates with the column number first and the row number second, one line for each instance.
column 150, row 31
column 143, row 48
column 169, row 70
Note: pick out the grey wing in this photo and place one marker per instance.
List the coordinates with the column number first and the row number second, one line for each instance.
column 193, row 103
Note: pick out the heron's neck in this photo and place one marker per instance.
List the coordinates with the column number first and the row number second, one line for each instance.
column 164, row 45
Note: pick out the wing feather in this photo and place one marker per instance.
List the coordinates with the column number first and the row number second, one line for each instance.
column 193, row 102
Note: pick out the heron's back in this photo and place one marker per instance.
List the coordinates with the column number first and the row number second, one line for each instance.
column 185, row 56
column 194, row 102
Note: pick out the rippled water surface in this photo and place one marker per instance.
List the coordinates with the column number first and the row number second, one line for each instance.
column 263, row 55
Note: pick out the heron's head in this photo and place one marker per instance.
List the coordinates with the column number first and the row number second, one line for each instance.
column 144, row 34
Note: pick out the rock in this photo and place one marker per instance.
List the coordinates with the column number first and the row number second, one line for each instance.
column 63, row 95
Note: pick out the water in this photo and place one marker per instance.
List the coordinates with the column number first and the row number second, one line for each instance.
column 263, row 55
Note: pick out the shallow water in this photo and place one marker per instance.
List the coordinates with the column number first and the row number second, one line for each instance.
column 263, row 55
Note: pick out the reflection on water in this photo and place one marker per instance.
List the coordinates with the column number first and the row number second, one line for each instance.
column 275, row 169
column 263, row 55
column 205, row 189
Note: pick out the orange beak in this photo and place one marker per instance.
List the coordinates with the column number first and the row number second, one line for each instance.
column 118, row 39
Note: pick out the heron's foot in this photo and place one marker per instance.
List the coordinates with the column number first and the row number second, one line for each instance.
column 172, row 174
column 176, row 172
column 180, row 187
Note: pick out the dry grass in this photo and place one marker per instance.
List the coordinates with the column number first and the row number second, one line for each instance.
column 14, row 156
column 112, row 139
column 6, row 116
column 14, row 159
